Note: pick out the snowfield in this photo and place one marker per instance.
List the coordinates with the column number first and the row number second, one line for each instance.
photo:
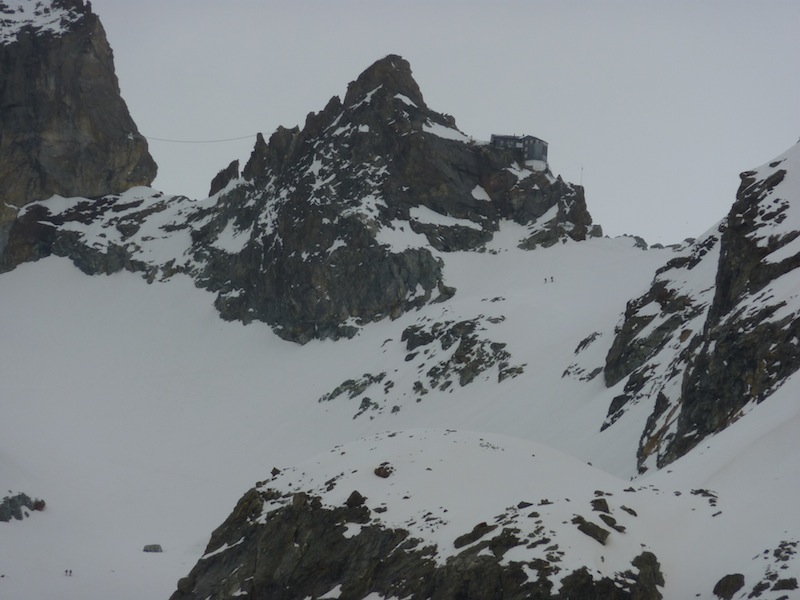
column 141, row 417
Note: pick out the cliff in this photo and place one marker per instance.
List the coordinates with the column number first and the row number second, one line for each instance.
column 64, row 128
column 306, row 532
column 716, row 333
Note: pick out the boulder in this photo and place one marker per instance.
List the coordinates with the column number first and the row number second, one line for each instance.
column 593, row 530
column 354, row 500
column 384, row 470
column 728, row 586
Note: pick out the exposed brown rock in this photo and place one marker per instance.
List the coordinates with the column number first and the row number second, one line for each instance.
column 64, row 128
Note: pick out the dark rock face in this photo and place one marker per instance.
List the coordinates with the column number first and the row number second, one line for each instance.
column 224, row 177
column 300, row 550
column 64, row 128
column 729, row 585
column 751, row 340
column 714, row 333
column 327, row 227
column 17, row 507
column 662, row 327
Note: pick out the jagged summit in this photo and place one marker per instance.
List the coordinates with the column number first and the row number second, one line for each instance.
column 384, row 101
column 334, row 225
column 378, row 179
column 391, row 73
column 370, row 184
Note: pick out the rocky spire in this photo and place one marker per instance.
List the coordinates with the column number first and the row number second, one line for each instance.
column 64, row 127
column 393, row 73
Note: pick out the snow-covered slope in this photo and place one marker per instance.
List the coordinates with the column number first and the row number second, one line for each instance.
column 140, row 417
column 154, row 415
column 514, row 407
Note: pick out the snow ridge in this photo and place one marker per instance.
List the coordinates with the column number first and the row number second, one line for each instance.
column 43, row 17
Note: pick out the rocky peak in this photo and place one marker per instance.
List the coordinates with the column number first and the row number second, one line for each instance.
column 337, row 224
column 391, row 75
column 357, row 174
column 750, row 340
column 64, row 128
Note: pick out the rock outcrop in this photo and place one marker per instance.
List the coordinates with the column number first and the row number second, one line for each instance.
column 751, row 337
column 303, row 551
column 327, row 227
column 224, row 177
column 64, row 128
column 18, row 507
column 716, row 332
column 307, row 532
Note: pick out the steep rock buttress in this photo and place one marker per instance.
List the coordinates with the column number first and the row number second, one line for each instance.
column 64, row 127
column 719, row 329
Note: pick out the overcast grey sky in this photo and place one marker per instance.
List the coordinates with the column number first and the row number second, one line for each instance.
column 655, row 106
